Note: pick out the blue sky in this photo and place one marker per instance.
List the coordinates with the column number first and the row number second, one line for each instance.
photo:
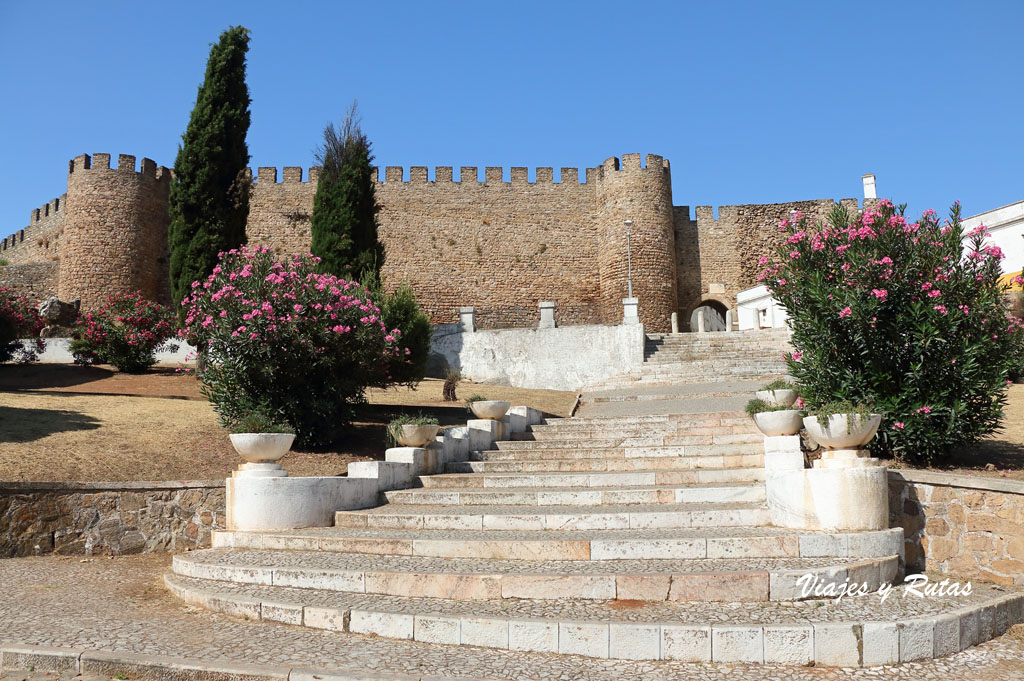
column 753, row 102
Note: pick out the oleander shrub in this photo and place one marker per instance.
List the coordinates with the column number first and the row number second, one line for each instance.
column 126, row 333
column 277, row 336
column 20, row 325
column 905, row 316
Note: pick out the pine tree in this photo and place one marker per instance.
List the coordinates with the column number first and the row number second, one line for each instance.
column 209, row 201
column 344, row 221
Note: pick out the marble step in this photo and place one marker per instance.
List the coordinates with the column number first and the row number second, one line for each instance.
column 854, row 632
column 709, row 492
column 585, row 480
column 645, row 446
column 633, row 460
column 749, row 512
column 584, row 545
column 467, row 580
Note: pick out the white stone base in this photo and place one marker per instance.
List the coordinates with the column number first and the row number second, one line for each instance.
column 260, row 470
column 284, row 503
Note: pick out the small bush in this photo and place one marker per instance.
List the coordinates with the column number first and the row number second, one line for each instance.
column 395, row 426
column 781, row 384
column 900, row 315
column 20, row 325
column 277, row 334
column 760, row 406
column 473, row 398
column 260, row 421
column 400, row 310
column 451, row 381
column 126, row 333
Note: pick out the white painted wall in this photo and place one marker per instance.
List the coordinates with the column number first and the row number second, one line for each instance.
column 1006, row 225
column 562, row 358
column 756, row 309
column 57, row 352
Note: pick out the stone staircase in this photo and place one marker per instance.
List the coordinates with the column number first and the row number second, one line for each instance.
column 641, row 537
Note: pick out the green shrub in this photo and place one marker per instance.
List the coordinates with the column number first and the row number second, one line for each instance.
column 781, row 384
column 760, row 406
column 473, row 398
column 277, row 335
column 401, row 311
column 896, row 314
column 260, row 421
column 395, row 425
column 126, row 333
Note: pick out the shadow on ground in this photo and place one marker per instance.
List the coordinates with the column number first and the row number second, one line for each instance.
column 26, row 425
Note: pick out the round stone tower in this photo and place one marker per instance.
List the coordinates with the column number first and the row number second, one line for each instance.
column 115, row 231
column 643, row 195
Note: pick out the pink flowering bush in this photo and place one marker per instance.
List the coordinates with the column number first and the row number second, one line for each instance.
column 19, row 328
column 902, row 316
column 126, row 333
column 275, row 337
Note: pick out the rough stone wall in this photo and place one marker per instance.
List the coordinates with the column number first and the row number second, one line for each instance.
column 642, row 194
column 36, row 280
column 115, row 232
column 688, row 265
column 499, row 246
column 108, row 518
column 730, row 246
column 962, row 526
column 40, row 240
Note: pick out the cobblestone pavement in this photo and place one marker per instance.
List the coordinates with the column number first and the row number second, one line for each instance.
column 120, row 605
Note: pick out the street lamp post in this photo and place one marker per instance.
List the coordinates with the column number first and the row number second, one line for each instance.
column 629, row 262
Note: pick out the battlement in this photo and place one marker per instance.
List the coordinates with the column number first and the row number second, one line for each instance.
column 125, row 163
column 470, row 176
column 48, row 209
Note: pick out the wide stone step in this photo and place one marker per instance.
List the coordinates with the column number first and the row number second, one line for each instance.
column 652, row 445
column 727, row 513
column 852, row 632
column 584, row 480
column 652, row 544
column 632, row 460
column 721, row 492
column 467, row 580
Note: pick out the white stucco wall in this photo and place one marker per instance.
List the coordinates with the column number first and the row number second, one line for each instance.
column 57, row 352
column 756, row 309
column 1006, row 226
column 562, row 358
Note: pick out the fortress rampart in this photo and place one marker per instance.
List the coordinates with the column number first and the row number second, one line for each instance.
column 501, row 244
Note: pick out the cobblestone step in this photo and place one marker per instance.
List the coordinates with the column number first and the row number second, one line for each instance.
column 584, row 480
column 853, row 632
column 568, row 496
column 651, row 544
column 467, row 580
column 632, row 460
column 746, row 510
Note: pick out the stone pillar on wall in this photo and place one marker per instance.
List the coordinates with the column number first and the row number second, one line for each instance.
column 115, row 230
column 642, row 194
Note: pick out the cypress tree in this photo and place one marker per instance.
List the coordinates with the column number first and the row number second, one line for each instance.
column 209, row 201
column 344, row 221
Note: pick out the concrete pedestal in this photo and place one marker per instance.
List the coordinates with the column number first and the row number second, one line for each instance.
column 284, row 503
column 483, row 433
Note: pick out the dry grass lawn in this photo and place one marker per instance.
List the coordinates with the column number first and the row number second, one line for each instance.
column 61, row 422
column 69, row 423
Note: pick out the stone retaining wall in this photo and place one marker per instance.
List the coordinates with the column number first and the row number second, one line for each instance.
column 960, row 525
column 108, row 518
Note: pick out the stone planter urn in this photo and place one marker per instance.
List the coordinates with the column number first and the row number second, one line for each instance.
column 262, row 447
column 843, row 431
column 409, row 435
column 777, row 398
column 783, row 422
column 489, row 409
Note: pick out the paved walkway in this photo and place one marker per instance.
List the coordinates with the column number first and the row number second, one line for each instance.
column 121, row 605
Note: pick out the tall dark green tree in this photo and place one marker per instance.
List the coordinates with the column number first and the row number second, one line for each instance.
column 209, row 201
column 344, row 221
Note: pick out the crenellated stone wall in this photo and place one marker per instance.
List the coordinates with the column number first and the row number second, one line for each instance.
column 501, row 243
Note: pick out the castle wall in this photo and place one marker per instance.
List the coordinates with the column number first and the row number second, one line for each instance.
column 39, row 241
column 500, row 246
column 729, row 247
column 37, row 281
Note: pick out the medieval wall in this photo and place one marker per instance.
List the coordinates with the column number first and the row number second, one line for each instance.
column 35, row 280
column 40, row 240
column 729, row 247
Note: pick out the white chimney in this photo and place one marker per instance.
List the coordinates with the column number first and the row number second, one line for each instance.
column 869, row 187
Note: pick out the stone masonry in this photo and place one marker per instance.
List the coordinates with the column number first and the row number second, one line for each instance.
column 108, row 518
column 501, row 244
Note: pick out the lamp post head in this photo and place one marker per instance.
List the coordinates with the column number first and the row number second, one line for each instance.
column 629, row 223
